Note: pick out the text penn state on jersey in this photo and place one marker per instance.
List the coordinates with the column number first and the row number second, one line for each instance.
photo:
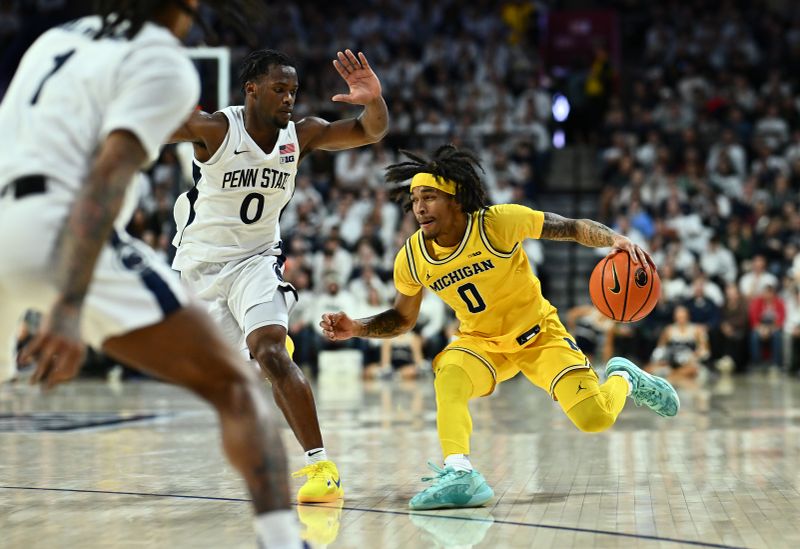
column 266, row 178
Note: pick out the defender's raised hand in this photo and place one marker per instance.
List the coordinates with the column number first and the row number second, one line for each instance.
column 364, row 84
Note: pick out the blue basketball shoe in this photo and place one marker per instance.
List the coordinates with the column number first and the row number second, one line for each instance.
column 654, row 392
column 452, row 488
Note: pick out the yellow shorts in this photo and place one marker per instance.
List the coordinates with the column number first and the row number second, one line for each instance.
column 548, row 357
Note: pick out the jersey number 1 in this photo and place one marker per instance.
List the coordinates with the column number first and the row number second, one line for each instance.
column 469, row 293
column 59, row 62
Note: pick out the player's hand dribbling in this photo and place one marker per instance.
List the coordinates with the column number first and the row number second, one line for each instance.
column 57, row 347
column 338, row 326
column 625, row 244
column 364, row 84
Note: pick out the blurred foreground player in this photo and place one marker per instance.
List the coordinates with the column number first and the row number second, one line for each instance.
column 89, row 106
column 470, row 255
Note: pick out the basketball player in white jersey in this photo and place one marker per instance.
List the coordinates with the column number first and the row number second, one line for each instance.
column 88, row 107
column 229, row 244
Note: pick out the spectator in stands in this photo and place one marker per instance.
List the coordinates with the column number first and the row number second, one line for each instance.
column 767, row 316
column 731, row 339
column 792, row 328
column 682, row 348
column 718, row 262
column 731, row 151
column 754, row 282
column 701, row 307
column 368, row 281
column 332, row 261
column 673, row 287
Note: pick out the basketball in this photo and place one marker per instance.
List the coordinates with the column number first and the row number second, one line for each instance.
column 623, row 290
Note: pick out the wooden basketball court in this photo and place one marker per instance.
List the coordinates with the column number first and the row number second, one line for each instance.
column 139, row 465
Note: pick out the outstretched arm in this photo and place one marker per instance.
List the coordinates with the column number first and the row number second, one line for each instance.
column 206, row 131
column 370, row 126
column 592, row 234
column 390, row 323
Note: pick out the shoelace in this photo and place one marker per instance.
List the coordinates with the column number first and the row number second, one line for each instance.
column 315, row 470
column 441, row 474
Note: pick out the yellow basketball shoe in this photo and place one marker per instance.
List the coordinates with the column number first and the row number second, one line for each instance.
column 320, row 521
column 323, row 484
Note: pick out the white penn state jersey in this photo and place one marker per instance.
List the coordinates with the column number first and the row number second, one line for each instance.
column 71, row 90
column 235, row 206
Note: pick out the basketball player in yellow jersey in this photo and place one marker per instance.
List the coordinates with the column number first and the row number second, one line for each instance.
column 471, row 256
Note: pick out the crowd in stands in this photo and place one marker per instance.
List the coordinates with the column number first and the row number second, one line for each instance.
column 698, row 152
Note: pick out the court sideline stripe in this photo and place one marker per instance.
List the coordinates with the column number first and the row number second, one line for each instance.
column 389, row 512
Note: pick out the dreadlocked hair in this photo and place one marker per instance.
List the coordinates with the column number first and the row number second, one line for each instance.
column 127, row 17
column 448, row 162
column 258, row 63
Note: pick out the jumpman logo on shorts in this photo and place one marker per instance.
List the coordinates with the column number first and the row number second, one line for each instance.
column 580, row 388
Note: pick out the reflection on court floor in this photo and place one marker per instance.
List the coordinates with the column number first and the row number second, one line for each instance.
column 724, row 473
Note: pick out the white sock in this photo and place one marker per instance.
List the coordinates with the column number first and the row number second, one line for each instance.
column 278, row 530
column 626, row 376
column 316, row 455
column 459, row 462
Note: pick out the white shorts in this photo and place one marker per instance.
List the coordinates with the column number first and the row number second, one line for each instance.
column 243, row 295
column 131, row 287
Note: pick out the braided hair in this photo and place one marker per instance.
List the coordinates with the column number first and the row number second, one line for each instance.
column 258, row 63
column 448, row 162
column 129, row 16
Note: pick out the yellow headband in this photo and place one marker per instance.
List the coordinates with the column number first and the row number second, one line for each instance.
column 430, row 180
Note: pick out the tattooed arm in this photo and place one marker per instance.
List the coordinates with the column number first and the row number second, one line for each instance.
column 592, row 234
column 57, row 347
column 583, row 231
column 390, row 323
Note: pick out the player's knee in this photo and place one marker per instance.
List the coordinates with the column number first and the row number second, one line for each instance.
column 274, row 360
column 452, row 384
column 591, row 419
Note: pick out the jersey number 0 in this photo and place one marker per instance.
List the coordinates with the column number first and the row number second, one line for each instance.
column 469, row 293
column 244, row 211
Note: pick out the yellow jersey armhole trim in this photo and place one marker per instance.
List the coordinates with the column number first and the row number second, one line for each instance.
column 485, row 238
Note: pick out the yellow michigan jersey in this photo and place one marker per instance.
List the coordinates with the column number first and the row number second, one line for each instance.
column 486, row 279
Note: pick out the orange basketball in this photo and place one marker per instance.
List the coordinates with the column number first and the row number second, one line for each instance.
column 624, row 290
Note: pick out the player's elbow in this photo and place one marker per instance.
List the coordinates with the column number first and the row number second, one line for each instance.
column 375, row 129
column 382, row 133
column 370, row 138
